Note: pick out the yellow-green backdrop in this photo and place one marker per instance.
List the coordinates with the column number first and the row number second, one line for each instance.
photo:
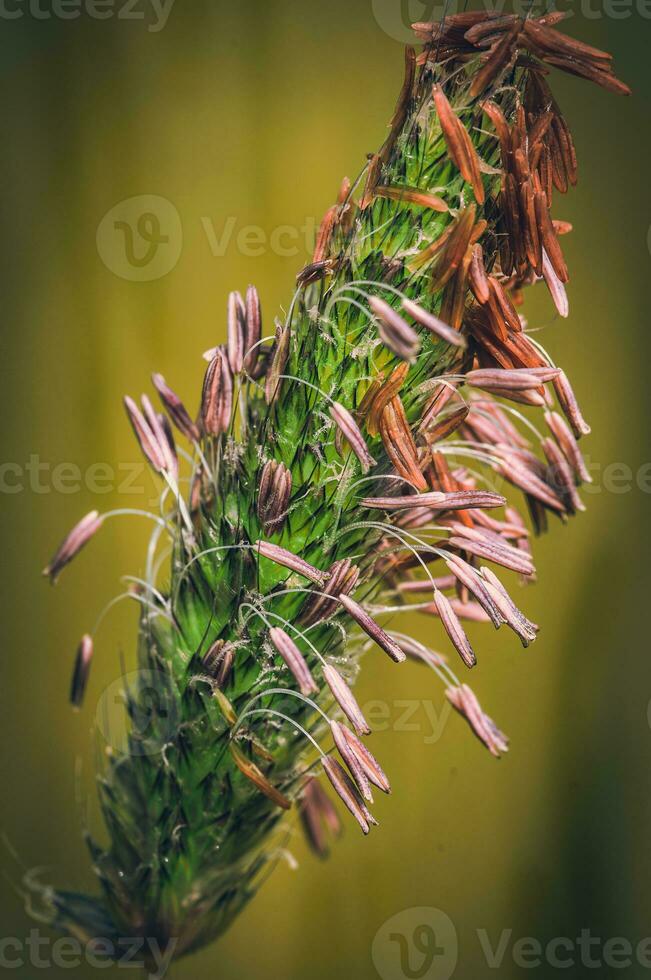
column 248, row 114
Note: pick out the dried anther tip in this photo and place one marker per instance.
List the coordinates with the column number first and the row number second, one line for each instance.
column 294, row 660
column 433, row 324
column 273, row 496
column 348, row 792
column 431, row 499
column 318, row 815
column 379, row 394
column 341, row 578
column 236, row 331
column 459, row 144
column 532, row 484
column 315, row 271
column 257, row 777
column 218, row 662
column 399, row 444
column 472, row 499
column 570, row 406
column 279, row 358
column 351, row 432
column 345, row 699
column 472, row 580
column 463, row 699
column 73, row 543
column 176, row 409
column 565, row 439
column 501, row 554
column 289, row 560
column 437, row 428
column 162, row 433
column 454, row 629
column 517, row 621
column 395, row 332
column 556, row 288
column 412, row 195
column 372, row 629
column 371, row 767
column 465, row 610
column 81, row 671
column 477, row 275
column 149, row 444
column 561, row 476
column 349, row 757
column 217, row 395
column 230, row 713
column 516, row 379
column 253, row 332
column 437, row 500
column 502, row 55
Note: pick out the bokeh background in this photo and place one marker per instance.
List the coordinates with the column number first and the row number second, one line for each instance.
column 248, row 114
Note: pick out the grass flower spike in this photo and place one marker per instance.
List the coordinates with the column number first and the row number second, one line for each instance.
column 346, row 469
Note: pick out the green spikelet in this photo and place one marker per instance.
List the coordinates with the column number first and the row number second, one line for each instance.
column 400, row 334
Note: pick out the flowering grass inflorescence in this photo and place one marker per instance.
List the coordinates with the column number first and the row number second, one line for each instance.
column 342, row 470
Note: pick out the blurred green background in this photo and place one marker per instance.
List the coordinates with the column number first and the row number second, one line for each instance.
column 248, row 114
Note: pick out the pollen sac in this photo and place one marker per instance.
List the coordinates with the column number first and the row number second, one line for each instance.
column 273, row 496
column 342, row 577
column 218, row 662
column 72, row 544
column 81, row 671
column 217, row 395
